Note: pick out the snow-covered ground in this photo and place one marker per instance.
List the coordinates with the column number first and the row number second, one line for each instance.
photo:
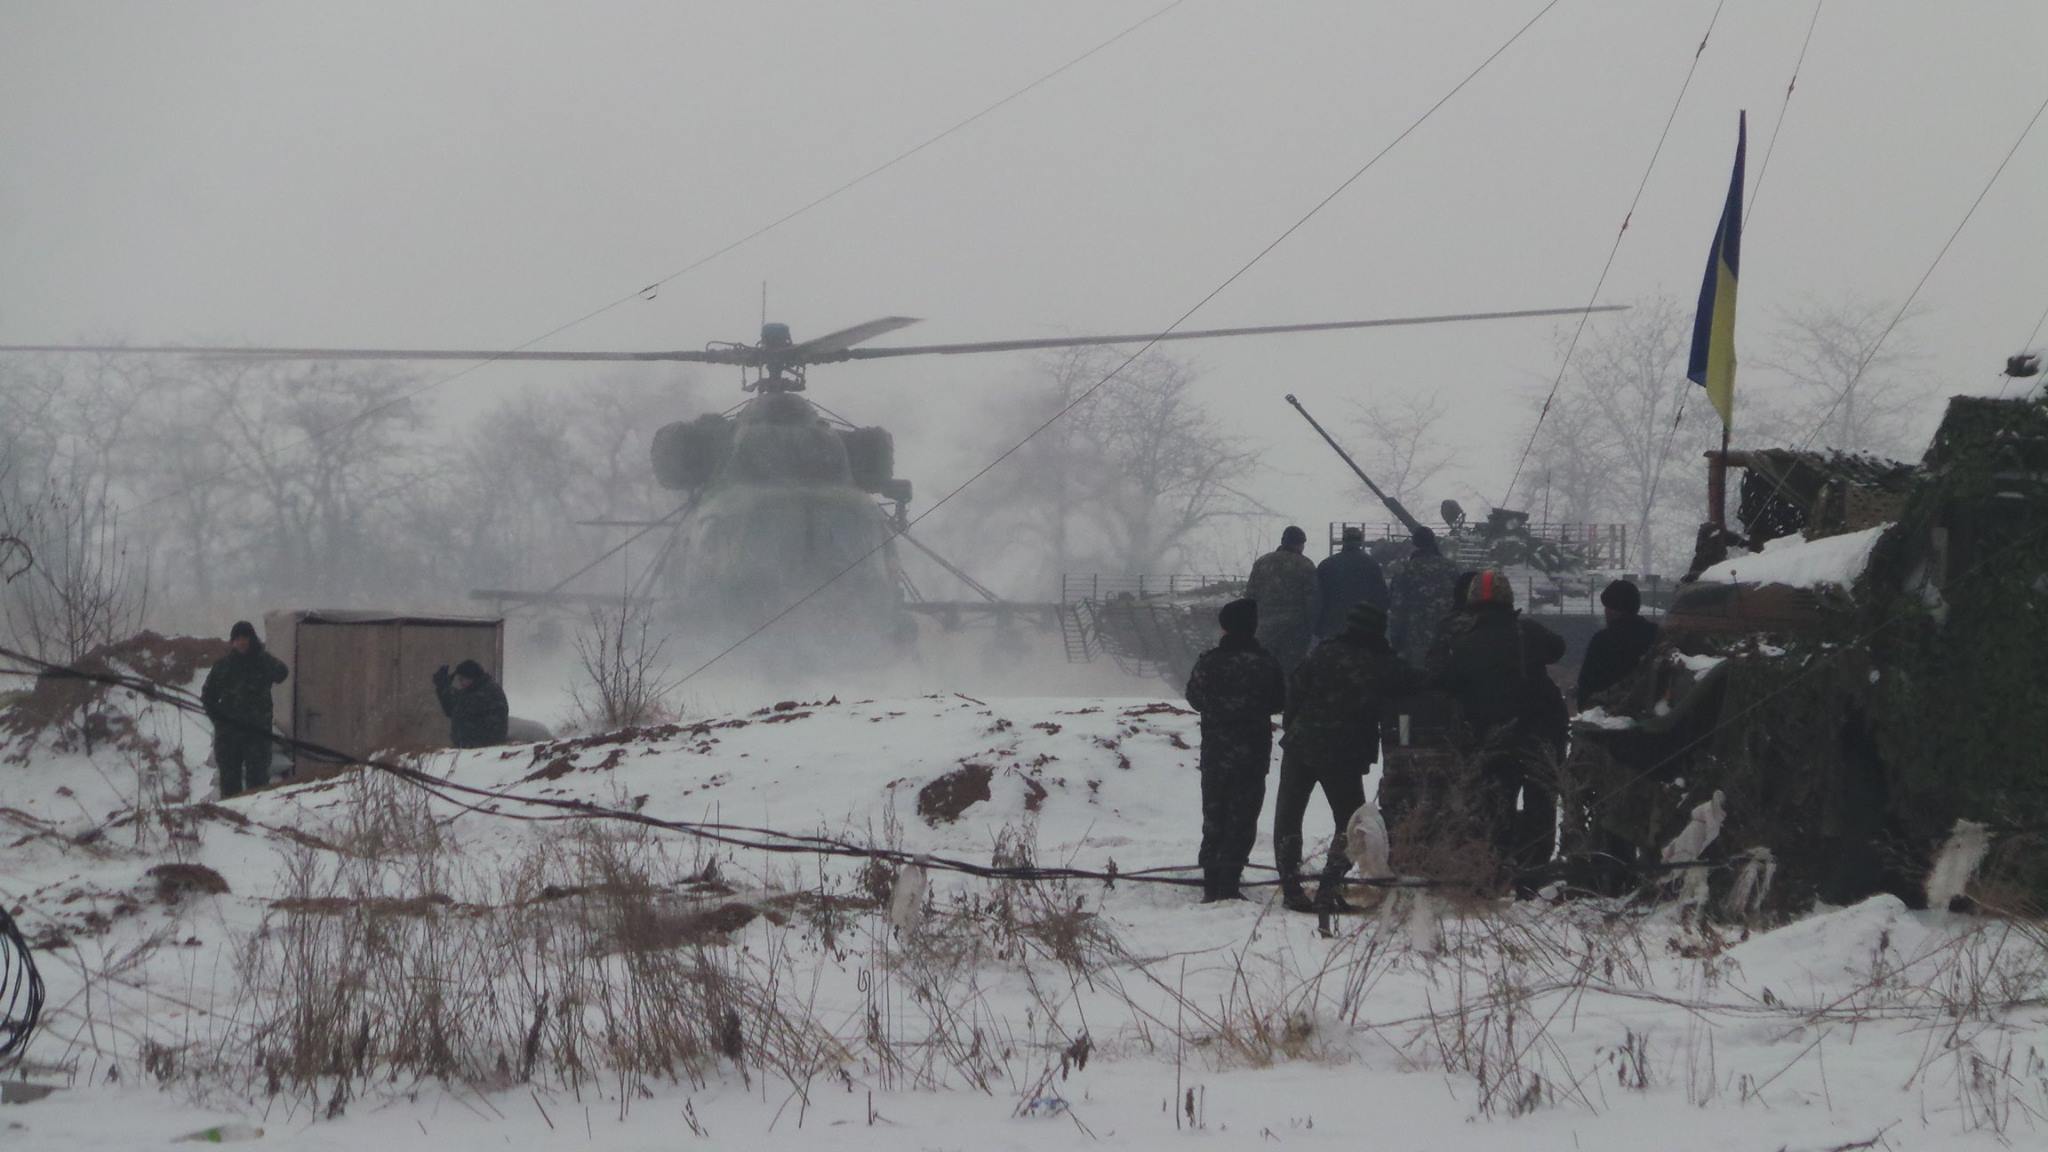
column 954, row 1024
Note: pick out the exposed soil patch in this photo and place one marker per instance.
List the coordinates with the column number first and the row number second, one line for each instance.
column 648, row 928
column 943, row 800
column 1157, row 710
column 794, row 705
column 213, row 811
column 1034, row 795
column 562, row 765
column 174, row 882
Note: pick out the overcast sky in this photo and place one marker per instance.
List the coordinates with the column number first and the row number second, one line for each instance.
column 474, row 174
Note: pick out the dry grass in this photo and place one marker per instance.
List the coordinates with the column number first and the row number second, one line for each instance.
column 600, row 959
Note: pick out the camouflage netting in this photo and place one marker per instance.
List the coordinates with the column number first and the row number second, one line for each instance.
column 1775, row 728
column 1850, row 744
column 1958, row 601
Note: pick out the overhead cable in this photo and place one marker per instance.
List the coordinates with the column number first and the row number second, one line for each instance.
column 1870, row 354
column 1614, row 250
column 644, row 291
column 1127, row 361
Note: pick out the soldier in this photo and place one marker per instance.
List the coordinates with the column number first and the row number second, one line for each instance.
column 1283, row 582
column 474, row 704
column 1615, row 651
column 1345, row 580
column 1238, row 687
column 1490, row 658
column 1426, row 591
column 1334, row 702
column 1419, row 597
column 237, row 699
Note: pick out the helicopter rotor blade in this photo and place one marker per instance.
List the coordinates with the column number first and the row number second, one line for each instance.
column 1201, row 334
column 847, row 337
column 740, row 355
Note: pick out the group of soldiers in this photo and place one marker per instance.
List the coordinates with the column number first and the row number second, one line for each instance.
column 1432, row 663
column 237, row 699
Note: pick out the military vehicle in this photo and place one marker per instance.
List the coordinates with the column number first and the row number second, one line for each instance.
column 1850, row 689
column 787, row 509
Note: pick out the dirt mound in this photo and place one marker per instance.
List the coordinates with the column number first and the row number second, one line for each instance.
column 943, row 800
column 174, row 882
column 167, row 661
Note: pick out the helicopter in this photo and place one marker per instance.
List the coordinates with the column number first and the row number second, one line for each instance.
column 785, row 504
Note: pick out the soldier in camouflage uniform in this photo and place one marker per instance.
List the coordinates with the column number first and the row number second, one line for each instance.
column 1283, row 583
column 1237, row 686
column 1334, row 703
column 1420, row 759
column 1419, row 590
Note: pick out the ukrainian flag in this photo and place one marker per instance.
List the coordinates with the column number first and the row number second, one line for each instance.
column 1712, row 364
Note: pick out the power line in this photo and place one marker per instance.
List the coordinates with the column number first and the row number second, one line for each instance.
column 1612, row 252
column 1764, row 168
column 1871, row 354
column 1142, row 349
column 1684, row 390
column 638, row 293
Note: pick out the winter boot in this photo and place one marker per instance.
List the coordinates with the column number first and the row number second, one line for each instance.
column 1227, row 880
column 1293, row 897
column 1330, row 898
column 1212, row 885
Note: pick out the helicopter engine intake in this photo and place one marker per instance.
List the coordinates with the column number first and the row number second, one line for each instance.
column 689, row 454
column 871, row 454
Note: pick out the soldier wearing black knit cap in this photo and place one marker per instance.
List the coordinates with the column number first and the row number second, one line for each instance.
column 474, row 704
column 1334, row 702
column 237, row 699
column 1237, row 686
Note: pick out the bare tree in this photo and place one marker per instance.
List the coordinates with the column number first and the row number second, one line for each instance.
column 1134, row 477
column 1851, row 393
column 1049, row 490
column 500, row 507
column 17, row 555
column 1403, row 448
column 176, row 459
column 328, row 453
column 1568, row 468
column 626, row 675
column 83, row 589
column 1171, row 471
column 1623, row 429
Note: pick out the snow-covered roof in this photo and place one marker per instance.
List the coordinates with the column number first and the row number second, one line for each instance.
column 1801, row 563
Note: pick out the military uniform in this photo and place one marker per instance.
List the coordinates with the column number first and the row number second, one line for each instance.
column 1284, row 585
column 1419, row 597
column 1238, row 687
column 1334, row 702
column 1420, row 763
column 1492, row 662
column 236, row 696
column 477, row 715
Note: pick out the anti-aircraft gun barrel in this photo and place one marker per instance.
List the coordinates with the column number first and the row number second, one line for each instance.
column 1411, row 523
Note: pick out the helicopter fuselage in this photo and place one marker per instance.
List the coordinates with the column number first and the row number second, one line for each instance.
column 783, row 527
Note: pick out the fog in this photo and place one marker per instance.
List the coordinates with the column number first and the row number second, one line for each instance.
column 477, row 175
